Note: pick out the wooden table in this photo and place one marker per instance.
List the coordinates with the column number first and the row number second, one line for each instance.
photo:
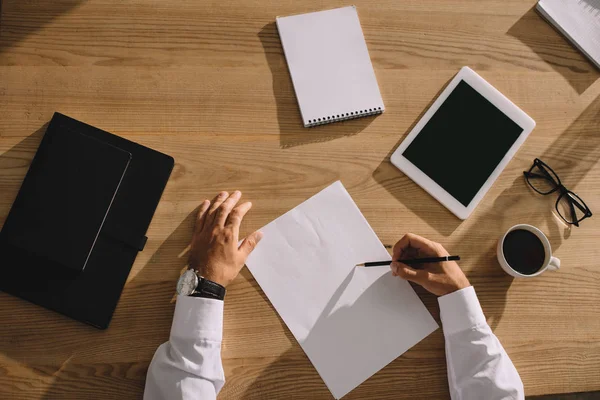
column 207, row 82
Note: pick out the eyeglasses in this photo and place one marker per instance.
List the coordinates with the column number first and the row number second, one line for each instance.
column 544, row 180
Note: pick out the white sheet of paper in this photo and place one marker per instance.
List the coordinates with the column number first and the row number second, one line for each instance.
column 350, row 321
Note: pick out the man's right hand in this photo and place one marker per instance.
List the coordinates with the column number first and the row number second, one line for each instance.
column 215, row 252
column 438, row 278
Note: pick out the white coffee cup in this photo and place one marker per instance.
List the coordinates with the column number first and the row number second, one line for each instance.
column 550, row 263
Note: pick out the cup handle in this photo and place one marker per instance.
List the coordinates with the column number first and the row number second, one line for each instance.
column 554, row 264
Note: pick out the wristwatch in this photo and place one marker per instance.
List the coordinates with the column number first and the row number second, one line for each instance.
column 194, row 285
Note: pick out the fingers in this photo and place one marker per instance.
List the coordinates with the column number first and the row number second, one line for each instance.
column 212, row 211
column 404, row 243
column 410, row 240
column 250, row 243
column 410, row 274
column 236, row 216
column 226, row 207
column 201, row 218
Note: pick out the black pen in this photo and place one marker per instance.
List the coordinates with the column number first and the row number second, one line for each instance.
column 412, row 261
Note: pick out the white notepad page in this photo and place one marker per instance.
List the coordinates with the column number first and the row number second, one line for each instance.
column 578, row 20
column 350, row 321
column 330, row 66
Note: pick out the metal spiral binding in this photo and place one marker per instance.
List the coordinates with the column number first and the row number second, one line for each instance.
column 328, row 119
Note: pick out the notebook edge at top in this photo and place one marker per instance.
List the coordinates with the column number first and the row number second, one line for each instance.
column 548, row 16
column 313, row 12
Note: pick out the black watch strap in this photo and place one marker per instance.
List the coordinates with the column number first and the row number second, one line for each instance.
column 210, row 290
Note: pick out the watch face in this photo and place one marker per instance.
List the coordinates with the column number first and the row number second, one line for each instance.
column 188, row 282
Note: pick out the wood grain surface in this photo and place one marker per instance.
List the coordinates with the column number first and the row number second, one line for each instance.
column 206, row 82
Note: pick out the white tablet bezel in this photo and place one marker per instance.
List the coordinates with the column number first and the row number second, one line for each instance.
column 499, row 101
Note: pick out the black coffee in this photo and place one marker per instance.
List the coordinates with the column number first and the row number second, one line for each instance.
column 524, row 251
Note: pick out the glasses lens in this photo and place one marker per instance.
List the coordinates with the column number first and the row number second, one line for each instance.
column 571, row 208
column 542, row 179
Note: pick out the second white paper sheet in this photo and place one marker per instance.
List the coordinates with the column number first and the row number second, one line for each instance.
column 350, row 321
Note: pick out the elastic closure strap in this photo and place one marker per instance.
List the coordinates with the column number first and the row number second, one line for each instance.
column 136, row 242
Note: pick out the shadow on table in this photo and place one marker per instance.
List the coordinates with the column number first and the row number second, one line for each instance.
column 551, row 46
column 567, row 396
column 373, row 303
column 141, row 322
column 14, row 164
column 19, row 19
column 145, row 310
column 291, row 128
column 409, row 193
column 491, row 284
column 575, row 152
column 572, row 155
column 292, row 375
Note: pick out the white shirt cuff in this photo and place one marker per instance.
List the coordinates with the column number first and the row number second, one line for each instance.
column 460, row 311
column 198, row 318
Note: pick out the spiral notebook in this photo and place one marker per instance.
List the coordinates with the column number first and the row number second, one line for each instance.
column 330, row 66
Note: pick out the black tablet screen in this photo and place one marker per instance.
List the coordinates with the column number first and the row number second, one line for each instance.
column 462, row 144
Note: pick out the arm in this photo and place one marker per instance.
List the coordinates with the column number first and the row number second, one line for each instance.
column 189, row 365
column 478, row 366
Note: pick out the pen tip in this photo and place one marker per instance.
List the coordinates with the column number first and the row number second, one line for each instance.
column 360, row 265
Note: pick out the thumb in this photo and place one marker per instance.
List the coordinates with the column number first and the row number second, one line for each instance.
column 250, row 242
column 409, row 274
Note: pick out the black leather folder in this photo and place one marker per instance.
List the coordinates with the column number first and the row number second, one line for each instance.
column 79, row 220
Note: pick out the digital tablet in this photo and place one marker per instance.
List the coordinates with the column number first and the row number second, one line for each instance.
column 463, row 142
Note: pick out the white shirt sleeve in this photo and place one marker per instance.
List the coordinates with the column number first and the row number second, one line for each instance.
column 189, row 365
column 478, row 366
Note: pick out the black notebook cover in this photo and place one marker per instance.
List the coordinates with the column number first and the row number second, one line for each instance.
column 65, row 197
column 107, row 189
